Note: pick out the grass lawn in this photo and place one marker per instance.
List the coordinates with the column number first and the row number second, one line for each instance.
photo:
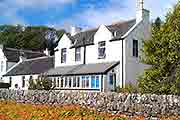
column 17, row 111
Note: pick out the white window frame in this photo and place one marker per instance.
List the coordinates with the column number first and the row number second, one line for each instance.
column 135, row 48
column 101, row 45
column 63, row 55
column 78, row 54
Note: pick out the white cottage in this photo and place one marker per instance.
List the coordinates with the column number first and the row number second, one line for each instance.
column 10, row 57
column 29, row 69
column 103, row 58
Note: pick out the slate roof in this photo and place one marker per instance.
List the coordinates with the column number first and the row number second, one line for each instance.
column 32, row 66
column 87, row 37
column 13, row 55
column 83, row 69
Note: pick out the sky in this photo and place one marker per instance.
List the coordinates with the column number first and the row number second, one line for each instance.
column 82, row 13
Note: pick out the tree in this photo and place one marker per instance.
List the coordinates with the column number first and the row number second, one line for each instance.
column 162, row 52
column 157, row 24
column 42, row 83
column 30, row 37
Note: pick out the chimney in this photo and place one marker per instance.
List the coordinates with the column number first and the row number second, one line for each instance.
column 141, row 13
column 75, row 30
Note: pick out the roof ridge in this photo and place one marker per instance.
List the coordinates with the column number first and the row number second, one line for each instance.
column 116, row 23
column 43, row 57
column 15, row 49
column 121, row 22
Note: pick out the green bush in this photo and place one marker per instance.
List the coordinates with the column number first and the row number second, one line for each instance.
column 42, row 83
column 129, row 88
column 4, row 85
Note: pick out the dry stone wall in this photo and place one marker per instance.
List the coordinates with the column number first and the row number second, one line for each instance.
column 133, row 104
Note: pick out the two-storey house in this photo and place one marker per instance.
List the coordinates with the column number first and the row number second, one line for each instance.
column 102, row 58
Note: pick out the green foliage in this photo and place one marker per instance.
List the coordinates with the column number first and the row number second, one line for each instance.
column 40, row 84
column 4, row 85
column 30, row 37
column 162, row 52
column 129, row 88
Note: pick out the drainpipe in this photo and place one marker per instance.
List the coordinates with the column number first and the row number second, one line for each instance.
column 84, row 59
column 122, row 63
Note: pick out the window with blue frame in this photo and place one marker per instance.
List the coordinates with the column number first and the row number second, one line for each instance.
column 111, row 81
column 97, row 81
column 94, row 81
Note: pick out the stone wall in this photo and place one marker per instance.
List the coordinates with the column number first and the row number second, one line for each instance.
column 110, row 102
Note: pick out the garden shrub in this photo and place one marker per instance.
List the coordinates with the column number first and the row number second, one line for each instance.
column 129, row 88
column 4, row 85
column 42, row 83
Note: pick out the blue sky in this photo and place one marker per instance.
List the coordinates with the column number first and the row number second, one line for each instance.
column 83, row 13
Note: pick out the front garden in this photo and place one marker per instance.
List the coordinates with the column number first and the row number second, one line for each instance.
column 18, row 111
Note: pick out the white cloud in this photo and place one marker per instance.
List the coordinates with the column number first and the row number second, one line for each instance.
column 118, row 10
column 41, row 4
column 9, row 14
column 10, row 8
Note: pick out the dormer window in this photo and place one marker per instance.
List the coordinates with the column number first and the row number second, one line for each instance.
column 115, row 34
column 78, row 54
column 102, row 49
column 63, row 55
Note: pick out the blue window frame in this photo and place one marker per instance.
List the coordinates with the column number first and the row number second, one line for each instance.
column 111, row 79
column 97, row 81
column 94, row 81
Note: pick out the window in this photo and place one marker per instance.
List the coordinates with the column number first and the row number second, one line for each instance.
column 63, row 55
column 135, row 48
column 94, row 81
column 83, row 82
column 23, row 81
column 78, row 54
column 74, row 81
column 70, row 81
column 10, row 81
column 97, row 81
column 54, row 82
column 87, row 82
column 66, row 82
column 62, row 82
column 2, row 66
column 78, row 81
column 58, row 82
column 102, row 50
column 111, row 79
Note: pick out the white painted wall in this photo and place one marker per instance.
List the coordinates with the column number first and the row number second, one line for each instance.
column 18, row 80
column 6, row 65
column 134, row 67
column 70, row 56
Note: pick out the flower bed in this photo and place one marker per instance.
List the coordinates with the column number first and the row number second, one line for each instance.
column 19, row 111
